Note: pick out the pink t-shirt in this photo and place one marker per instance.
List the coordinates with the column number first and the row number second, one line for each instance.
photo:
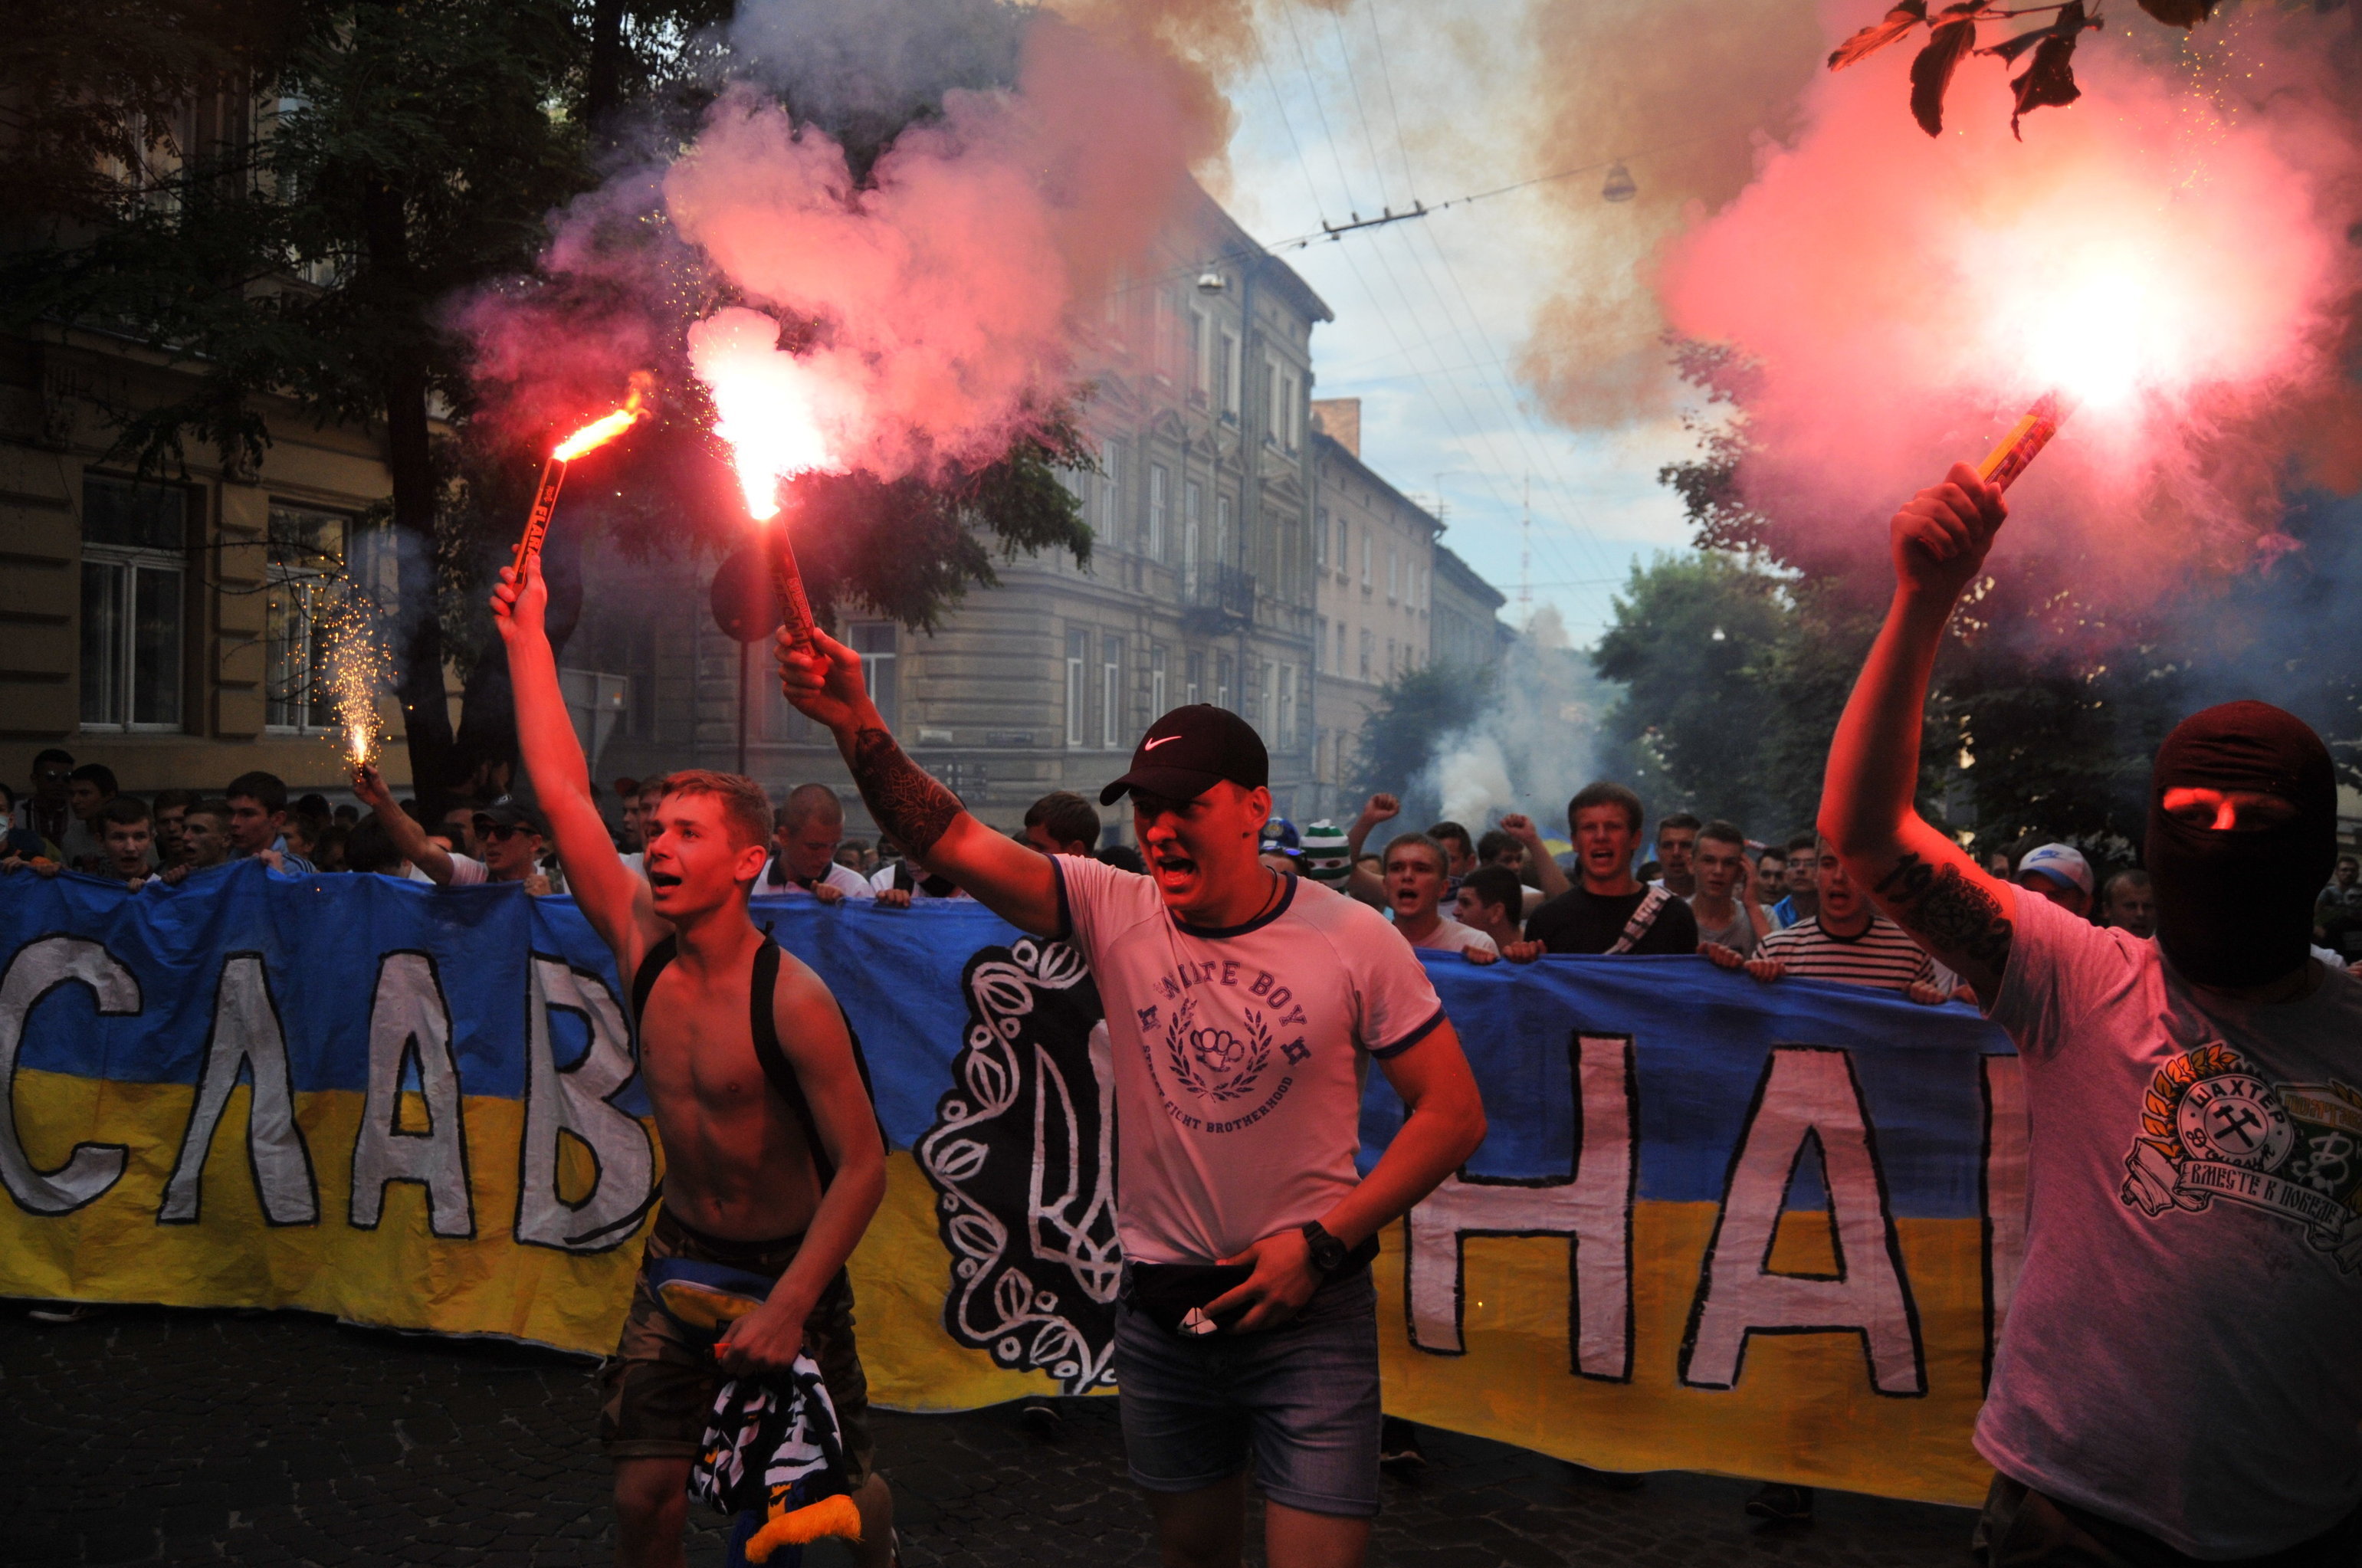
column 2183, row 1351
column 1240, row 1055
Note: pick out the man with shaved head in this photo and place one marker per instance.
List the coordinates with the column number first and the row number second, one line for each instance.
column 804, row 860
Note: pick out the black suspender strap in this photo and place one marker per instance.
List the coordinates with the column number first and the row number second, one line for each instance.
column 763, row 1023
column 764, row 1020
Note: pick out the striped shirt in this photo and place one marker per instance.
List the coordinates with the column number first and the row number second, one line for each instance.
column 1882, row 955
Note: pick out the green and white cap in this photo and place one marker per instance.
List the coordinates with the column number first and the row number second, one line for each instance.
column 1323, row 856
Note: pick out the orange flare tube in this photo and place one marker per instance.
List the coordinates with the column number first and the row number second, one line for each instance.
column 2020, row 447
column 591, row 437
column 788, row 586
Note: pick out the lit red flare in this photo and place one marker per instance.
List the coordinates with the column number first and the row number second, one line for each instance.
column 2019, row 448
column 591, row 437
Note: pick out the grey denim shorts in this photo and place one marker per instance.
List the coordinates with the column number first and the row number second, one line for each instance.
column 1300, row 1400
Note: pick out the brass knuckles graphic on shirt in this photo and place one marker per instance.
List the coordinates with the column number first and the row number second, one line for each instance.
column 1022, row 1158
column 2212, row 1126
column 1214, row 1063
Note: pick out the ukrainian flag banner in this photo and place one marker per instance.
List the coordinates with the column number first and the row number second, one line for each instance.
column 1765, row 1230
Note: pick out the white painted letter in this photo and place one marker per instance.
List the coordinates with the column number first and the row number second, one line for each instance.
column 39, row 969
column 2003, row 1191
column 1806, row 1092
column 246, row 1030
column 575, row 1100
column 1592, row 1208
column 409, row 1021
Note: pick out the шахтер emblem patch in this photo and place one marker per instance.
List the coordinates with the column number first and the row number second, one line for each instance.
column 2212, row 1126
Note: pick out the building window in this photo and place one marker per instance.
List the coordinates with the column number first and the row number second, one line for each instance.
column 1344, row 557
column 1078, row 656
column 1320, row 757
column 304, row 588
column 1320, row 536
column 1273, row 423
column 1394, row 576
column 874, row 641
column 1222, row 681
column 1156, row 482
column 1339, row 666
column 1288, row 706
column 1112, row 692
column 1319, row 643
column 1290, row 413
column 1156, row 684
column 1194, row 685
column 1369, row 647
column 1365, row 560
column 1231, row 369
column 1193, row 513
column 134, row 598
column 1111, row 490
column 1222, row 530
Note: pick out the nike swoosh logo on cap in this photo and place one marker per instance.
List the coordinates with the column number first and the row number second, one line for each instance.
column 1160, row 740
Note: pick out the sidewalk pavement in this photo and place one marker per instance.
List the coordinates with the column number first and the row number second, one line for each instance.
column 146, row 1435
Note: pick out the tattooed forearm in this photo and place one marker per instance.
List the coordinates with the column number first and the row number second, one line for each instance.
column 908, row 804
column 1947, row 911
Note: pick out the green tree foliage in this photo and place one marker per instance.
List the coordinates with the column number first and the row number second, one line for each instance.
column 412, row 158
column 1417, row 712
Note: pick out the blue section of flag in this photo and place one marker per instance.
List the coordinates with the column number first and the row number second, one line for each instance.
column 1701, row 1035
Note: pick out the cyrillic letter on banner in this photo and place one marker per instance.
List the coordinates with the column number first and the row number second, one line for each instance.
column 39, row 969
column 574, row 1099
column 409, row 1021
column 1805, row 1092
column 2003, row 1191
column 1592, row 1206
column 246, row 1033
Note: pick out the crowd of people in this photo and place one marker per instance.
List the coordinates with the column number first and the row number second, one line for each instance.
column 2176, row 1378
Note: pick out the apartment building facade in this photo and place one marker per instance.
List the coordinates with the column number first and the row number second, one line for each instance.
column 1374, row 562
column 1200, row 586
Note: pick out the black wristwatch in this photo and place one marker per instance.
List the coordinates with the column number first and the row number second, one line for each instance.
column 1329, row 1253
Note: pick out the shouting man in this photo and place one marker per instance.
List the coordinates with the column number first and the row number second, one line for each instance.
column 773, row 1163
column 2178, row 1375
column 1610, row 911
column 1245, row 1006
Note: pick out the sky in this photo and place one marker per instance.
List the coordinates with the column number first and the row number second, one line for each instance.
column 1432, row 313
column 1387, row 103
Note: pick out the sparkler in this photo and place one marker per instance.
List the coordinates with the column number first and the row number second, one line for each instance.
column 2020, row 447
column 596, row 434
column 356, row 668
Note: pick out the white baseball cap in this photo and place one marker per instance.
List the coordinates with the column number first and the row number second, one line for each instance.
column 2061, row 863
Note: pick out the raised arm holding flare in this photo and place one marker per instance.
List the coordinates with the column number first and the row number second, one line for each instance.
column 2178, row 1378
column 1923, row 880
column 754, row 1179
column 1243, row 1007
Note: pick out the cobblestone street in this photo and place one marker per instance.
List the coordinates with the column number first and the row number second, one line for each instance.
column 148, row 1435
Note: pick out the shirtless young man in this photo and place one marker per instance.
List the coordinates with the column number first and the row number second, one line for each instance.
column 2179, row 1378
column 744, row 1183
column 1245, row 1007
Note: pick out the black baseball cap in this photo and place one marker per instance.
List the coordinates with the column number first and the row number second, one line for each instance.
column 511, row 813
column 1190, row 750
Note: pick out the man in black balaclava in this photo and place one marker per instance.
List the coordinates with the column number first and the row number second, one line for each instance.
column 2242, row 834
column 2180, row 1371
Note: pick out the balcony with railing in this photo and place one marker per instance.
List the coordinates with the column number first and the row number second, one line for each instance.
column 1218, row 599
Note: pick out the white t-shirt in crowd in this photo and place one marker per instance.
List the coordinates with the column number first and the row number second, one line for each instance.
column 882, row 881
column 1451, row 936
column 1239, row 1054
column 467, row 871
column 2183, row 1352
column 776, row 881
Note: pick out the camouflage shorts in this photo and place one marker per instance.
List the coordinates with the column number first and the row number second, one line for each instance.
column 659, row 1384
